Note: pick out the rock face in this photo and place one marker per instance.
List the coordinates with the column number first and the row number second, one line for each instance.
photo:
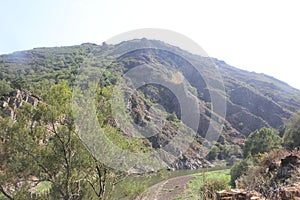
column 236, row 194
column 263, row 100
column 253, row 100
column 143, row 115
column 16, row 99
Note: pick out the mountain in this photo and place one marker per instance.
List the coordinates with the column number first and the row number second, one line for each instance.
column 252, row 100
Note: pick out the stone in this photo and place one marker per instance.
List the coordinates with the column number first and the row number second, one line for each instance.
column 17, row 98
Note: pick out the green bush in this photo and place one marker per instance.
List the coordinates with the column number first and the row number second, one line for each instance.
column 214, row 152
column 238, row 169
column 212, row 183
column 261, row 141
column 5, row 88
column 211, row 186
column 172, row 117
column 291, row 138
column 206, row 184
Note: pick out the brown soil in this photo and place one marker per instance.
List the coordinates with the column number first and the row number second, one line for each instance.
column 167, row 190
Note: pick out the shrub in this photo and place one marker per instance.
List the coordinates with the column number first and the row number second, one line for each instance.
column 261, row 141
column 212, row 184
column 238, row 169
column 206, row 184
column 5, row 88
column 214, row 152
column 291, row 138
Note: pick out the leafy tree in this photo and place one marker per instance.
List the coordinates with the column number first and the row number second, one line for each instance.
column 19, row 83
column 42, row 147
column 291, row 136
column 5, row 87
column 261, row 141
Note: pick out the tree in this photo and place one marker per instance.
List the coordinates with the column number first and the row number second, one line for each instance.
column 42, row 147
column 5, row 87
column 261, row 141
column 19, row 83
column 291, row 136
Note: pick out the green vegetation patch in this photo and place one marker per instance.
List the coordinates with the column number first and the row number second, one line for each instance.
column 206, row 184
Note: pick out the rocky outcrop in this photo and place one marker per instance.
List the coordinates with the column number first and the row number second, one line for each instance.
column 237, row 194
column 9, row 104
column 277, row 176
column 290, row 192
column 143, row 115
column 267, row 112
column 287, row 168
column 191, row 163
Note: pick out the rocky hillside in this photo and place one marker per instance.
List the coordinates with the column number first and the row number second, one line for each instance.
column 276, row 176
column 252, row 100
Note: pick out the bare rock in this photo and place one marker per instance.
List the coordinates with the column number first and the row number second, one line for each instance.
column 15, row 100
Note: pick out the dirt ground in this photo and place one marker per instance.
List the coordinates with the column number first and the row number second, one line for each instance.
column 167, row 190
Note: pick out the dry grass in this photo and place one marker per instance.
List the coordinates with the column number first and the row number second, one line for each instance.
column 270, row 175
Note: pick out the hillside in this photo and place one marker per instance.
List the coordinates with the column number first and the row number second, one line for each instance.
column 252, row 100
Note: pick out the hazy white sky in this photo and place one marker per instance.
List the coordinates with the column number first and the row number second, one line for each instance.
column 256, row 35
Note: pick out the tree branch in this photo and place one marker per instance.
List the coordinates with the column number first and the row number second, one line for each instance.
column 5, row 193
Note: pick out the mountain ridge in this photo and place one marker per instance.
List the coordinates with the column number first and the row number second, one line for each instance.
column 252, row 100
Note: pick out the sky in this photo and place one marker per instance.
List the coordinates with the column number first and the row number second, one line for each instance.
column 256, row 35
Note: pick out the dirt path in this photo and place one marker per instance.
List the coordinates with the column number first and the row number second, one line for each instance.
column 167, row 190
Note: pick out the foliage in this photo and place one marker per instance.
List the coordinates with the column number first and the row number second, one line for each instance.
column 268, row 174
column 42, row 145
column 206, row 184
column 5, row 88
column 212, row 185
column 258, row 142
column 214, row 152
column 172, row 117
column 291, row 136
column 261, row 141
column 238, row 169
column 19, row 83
